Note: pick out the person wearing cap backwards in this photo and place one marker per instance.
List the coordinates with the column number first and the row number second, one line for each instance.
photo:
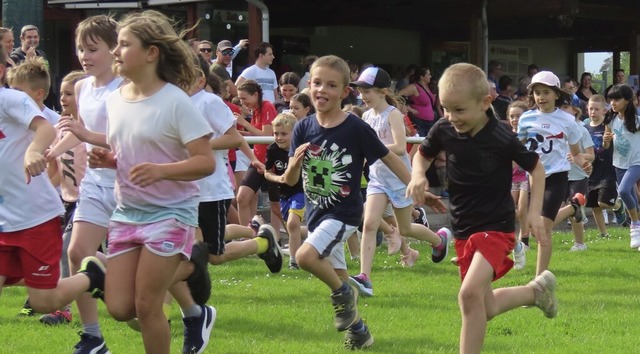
column 552, row 133
column 221, row 67
column 260, row 72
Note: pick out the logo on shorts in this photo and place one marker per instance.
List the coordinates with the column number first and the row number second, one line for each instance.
column 41, row 272
column 168, row 246
column 43, row 268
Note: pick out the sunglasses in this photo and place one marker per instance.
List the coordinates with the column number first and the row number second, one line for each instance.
column 227, row 52
column 206, row 50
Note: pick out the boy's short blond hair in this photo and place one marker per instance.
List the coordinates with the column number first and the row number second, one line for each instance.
column 33, row 72
column 464, row 76
column 286, row 120
column 102, row 27
column 336, row 63
column 598, row 99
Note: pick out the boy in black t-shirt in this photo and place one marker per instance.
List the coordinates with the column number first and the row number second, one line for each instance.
column 291, row 197
column 480, row 151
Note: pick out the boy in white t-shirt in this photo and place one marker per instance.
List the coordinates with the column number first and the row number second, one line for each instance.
column 32, row 77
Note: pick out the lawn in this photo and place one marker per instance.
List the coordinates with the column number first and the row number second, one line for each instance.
column 413, row 311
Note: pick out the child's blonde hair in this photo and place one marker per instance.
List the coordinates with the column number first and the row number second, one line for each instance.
column 518, row 104
column 98, row 27
column 33, row 72
column 598, row 99
column 336, row 63
column 286, row 120
column 74, row 76
column 464, row 76
column 175, row 58
column 357, row 110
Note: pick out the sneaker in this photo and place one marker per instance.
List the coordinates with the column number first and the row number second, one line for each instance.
column 605, row 215
column 439, row 252
column 409, row 259
column 394, row 241
column 345, row 308
column 93, row 268
column 578, row 201
column 620, row 213
column 544, row 287
column 578, row 247
column 379, row 238
column 294, row 266
column 607, row 235
column 56, row 318
column 362, row 283
column 422, row 217
column 255, row 223
column 26, row 310
column 273, row 256
column 635, row 236
column 89, row 344
column 199, row 281
column 197, row 330
column 454, row 261
column 519, row 258
column 358, row 340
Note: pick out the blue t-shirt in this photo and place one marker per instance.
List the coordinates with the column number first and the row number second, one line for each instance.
column 332, row 167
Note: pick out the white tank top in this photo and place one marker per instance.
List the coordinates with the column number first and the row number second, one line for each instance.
column 93, row 111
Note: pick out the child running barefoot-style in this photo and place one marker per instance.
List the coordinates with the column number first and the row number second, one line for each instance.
column 480, row 152
column 384, row 186
column 329, row 149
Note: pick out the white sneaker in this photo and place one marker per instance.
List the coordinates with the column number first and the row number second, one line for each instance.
column 635, row 236
column 519, row 258
column 578, row 247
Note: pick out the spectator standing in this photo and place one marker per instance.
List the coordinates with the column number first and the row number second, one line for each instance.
column 261, row 73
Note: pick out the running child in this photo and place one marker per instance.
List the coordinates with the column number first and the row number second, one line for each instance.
column 480, row 152
column 519, row 192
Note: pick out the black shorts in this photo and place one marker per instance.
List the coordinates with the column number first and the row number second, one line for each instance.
column 255, row 180
column 212, row 220
column 604, row 192
column 579, row 186
column 555, row 188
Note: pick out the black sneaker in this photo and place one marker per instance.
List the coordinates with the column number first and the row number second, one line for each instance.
column 89, row 344
column 199, row 281
column 93, row 268
column 346, row 308
column 620, row 214
column 358, row 340
column 57, row 318
column 197, row 331
column 272, row 256
column 26, row 310
column 422, row 217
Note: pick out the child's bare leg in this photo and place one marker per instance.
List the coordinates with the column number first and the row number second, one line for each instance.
column 309, row 260
column 599, row 219
column 294, row 224
column 353, row 243
column 545, row 250
column 374, row 209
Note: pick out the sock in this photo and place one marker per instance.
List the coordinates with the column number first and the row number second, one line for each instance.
column 518, row 247
column 525, row 240
column 92, row 329
column 341, row 289
column 292, row 260
column 263, row 244
column 358, row 327
column 193, row 311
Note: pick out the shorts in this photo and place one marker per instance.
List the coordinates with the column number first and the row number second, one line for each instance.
column 164, row 238
column 256, row 181
column 32, row 254
column 579, row 186
column 242, row 162
column 69, row 210
column 555, row 189
column 522, row 186
column 396, row 197
column 294, row 205
column 328, row 239
column 95, row 204
column 493, row 245
column 212, row 219
column 605, row 192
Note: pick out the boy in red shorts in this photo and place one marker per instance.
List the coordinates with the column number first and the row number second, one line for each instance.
column 30, row 209
column 480, row 151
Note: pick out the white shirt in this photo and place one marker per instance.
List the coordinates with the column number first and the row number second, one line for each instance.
column 22, row 205
column 266, row 78
column 626, row 145
column 154, row 130
column 220, row 118
column 92, row 110
column 549, row 134
column 576, row 173
column 51, row 116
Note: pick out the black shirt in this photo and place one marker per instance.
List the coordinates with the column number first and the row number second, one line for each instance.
column 479, row 171
column 277, row 161
column 603, row 169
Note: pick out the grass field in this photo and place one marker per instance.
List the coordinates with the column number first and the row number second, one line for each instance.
column 413, row 311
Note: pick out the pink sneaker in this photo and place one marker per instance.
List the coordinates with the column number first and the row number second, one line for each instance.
column 394, row 240
column 409, row 259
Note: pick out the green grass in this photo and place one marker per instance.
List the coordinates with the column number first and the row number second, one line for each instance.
column 414, row 310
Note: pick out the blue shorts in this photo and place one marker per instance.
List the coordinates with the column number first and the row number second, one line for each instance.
column 293, row 204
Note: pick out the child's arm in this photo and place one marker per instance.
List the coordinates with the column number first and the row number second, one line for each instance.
column 272, row 177
column 34, row 160
column 267, row 129
column 200, row 164
column 230, row 140
column 607, row 137
column 77, row 128
column 534, row 218
column 396, row 121
column 294, row 168
column 68, row 142
column 396, row 166
column 244, row 147
column 578, row 158
column 52, row 171
column 101, row 158
column 418, row 185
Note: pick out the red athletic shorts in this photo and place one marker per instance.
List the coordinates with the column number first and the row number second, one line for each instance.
column 494, row 246
column 32, row 254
